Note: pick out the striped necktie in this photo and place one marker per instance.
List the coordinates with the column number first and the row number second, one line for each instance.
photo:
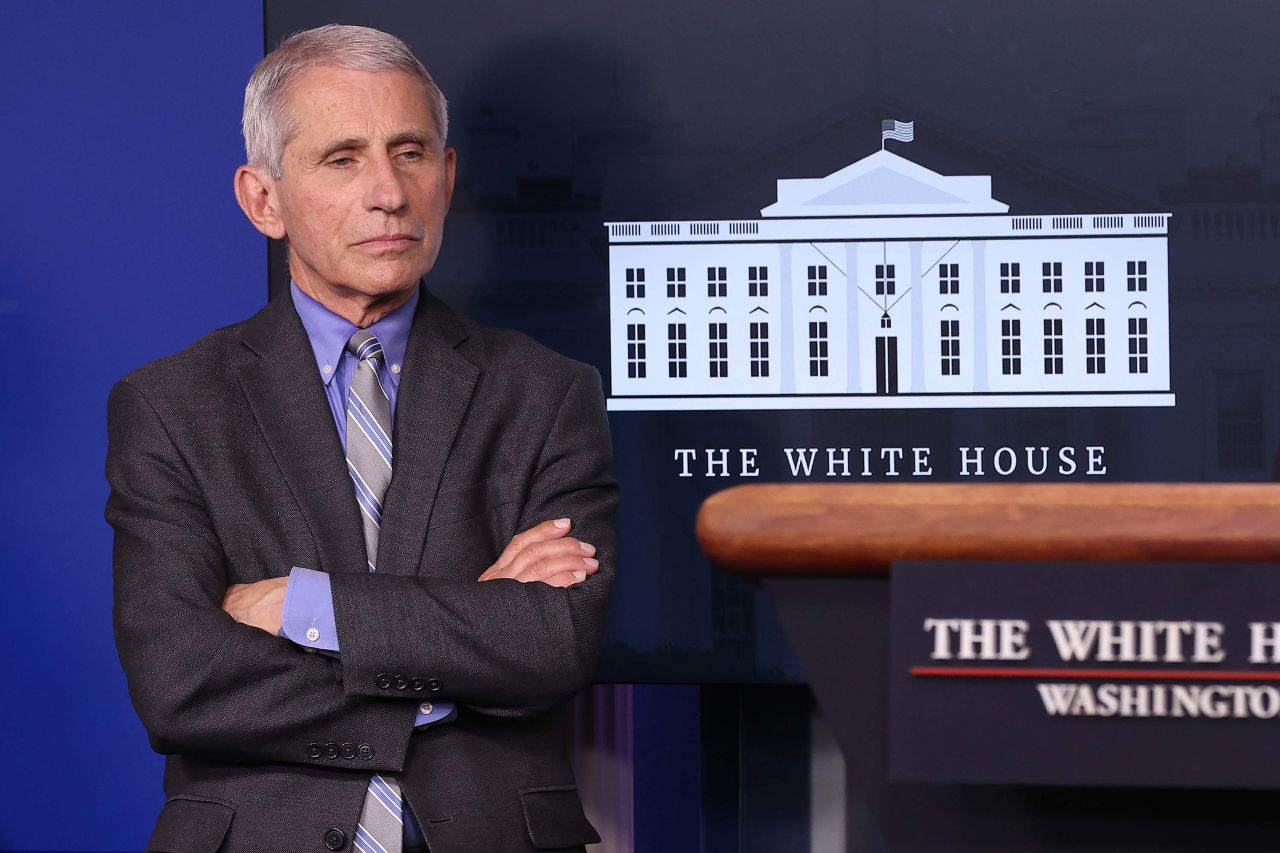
column 381, row 827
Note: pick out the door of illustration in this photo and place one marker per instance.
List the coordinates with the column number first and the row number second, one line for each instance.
column 886, row 364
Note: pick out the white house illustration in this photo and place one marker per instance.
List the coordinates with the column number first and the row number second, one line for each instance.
column 887, row 285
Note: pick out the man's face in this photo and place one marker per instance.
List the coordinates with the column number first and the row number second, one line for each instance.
column 365, row 183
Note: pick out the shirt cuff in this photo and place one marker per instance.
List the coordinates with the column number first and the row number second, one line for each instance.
column 307, row 618
column 441, row 712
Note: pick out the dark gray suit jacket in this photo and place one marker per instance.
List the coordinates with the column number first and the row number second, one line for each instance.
column 225, row 467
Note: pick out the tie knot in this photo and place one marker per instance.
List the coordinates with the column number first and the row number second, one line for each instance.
column 364, row 345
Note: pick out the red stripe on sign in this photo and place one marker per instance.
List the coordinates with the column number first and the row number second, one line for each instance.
column 1117, row 674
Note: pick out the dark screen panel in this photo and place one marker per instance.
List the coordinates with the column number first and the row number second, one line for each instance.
column 570, row 116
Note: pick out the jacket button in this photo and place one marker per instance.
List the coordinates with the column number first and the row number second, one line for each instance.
column 335, row 839
column 348, row 751
column 365, row 751
column 382, row 680
column 401, row 682
column 314, row 750
column 418, row 684
column 435, row 685
column 330, row 750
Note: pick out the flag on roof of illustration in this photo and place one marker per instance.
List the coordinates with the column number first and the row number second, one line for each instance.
column 899, row 131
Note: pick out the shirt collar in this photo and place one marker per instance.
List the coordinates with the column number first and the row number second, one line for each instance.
column 329, row 333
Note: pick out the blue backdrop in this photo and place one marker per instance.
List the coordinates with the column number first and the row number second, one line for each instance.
column 120, row 241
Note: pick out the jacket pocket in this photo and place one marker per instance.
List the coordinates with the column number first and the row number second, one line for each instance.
column 553, row 814
column 191, row 825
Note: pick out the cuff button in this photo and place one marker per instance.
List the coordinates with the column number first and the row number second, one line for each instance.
column 348, row 751
column 382, row 680
column 435, row 685
column 418, row 684
column 314, row 750
column 365, row 751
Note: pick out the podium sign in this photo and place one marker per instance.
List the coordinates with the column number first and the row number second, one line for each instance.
column 1085, row 674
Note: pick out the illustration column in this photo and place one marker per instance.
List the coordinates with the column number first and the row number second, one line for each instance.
column 787, row 336
column 852, row 332
column 917, row 322
column 980, row 382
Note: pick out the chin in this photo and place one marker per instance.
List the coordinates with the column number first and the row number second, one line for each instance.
column 390, row 282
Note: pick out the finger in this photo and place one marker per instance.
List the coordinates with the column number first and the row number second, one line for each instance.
column 566, row 546
column 543, row 569
column 542, row 551
column 526, row 547
column 532, row 554
column 546, row 531
column 564, row 579
column 568, row 570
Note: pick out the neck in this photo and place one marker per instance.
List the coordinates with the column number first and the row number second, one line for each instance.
column 362, row 312
column 359, row 309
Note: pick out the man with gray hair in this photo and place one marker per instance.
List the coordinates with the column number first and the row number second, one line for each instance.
column 364, row 544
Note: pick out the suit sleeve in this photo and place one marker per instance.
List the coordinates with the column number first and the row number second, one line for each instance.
column 309, row 602
column 501, row 647
column 202, row 683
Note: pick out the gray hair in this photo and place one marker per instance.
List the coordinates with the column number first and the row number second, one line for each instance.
column 266, row 124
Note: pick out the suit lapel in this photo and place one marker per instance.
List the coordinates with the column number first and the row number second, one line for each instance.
column 289, row 404
column 435, row 392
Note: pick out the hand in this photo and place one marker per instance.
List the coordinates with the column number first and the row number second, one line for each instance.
column 545, row 553
column 259, row 604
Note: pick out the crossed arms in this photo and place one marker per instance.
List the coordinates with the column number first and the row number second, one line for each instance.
column 544, row 553
column 206, row 684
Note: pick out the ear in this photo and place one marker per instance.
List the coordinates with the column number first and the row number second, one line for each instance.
column 450, row 167
column 257, row 194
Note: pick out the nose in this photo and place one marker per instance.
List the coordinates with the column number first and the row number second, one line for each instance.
column 385, row 191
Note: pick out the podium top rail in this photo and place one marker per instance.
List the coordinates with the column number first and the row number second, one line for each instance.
column 860, row 529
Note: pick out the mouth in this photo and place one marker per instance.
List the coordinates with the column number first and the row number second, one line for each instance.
column 390, row 242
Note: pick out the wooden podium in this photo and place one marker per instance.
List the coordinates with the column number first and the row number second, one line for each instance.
column 824, row 555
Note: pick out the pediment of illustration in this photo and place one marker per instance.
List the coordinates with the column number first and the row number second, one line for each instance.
column 884, row 184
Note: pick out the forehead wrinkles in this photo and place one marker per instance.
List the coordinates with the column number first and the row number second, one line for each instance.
column 355, row 105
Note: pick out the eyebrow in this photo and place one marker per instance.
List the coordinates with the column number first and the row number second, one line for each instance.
column 342, row 145
column 411, row 136
column 405, row 137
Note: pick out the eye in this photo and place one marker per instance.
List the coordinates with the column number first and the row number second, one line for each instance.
column 411, row 154
column 341, row 162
